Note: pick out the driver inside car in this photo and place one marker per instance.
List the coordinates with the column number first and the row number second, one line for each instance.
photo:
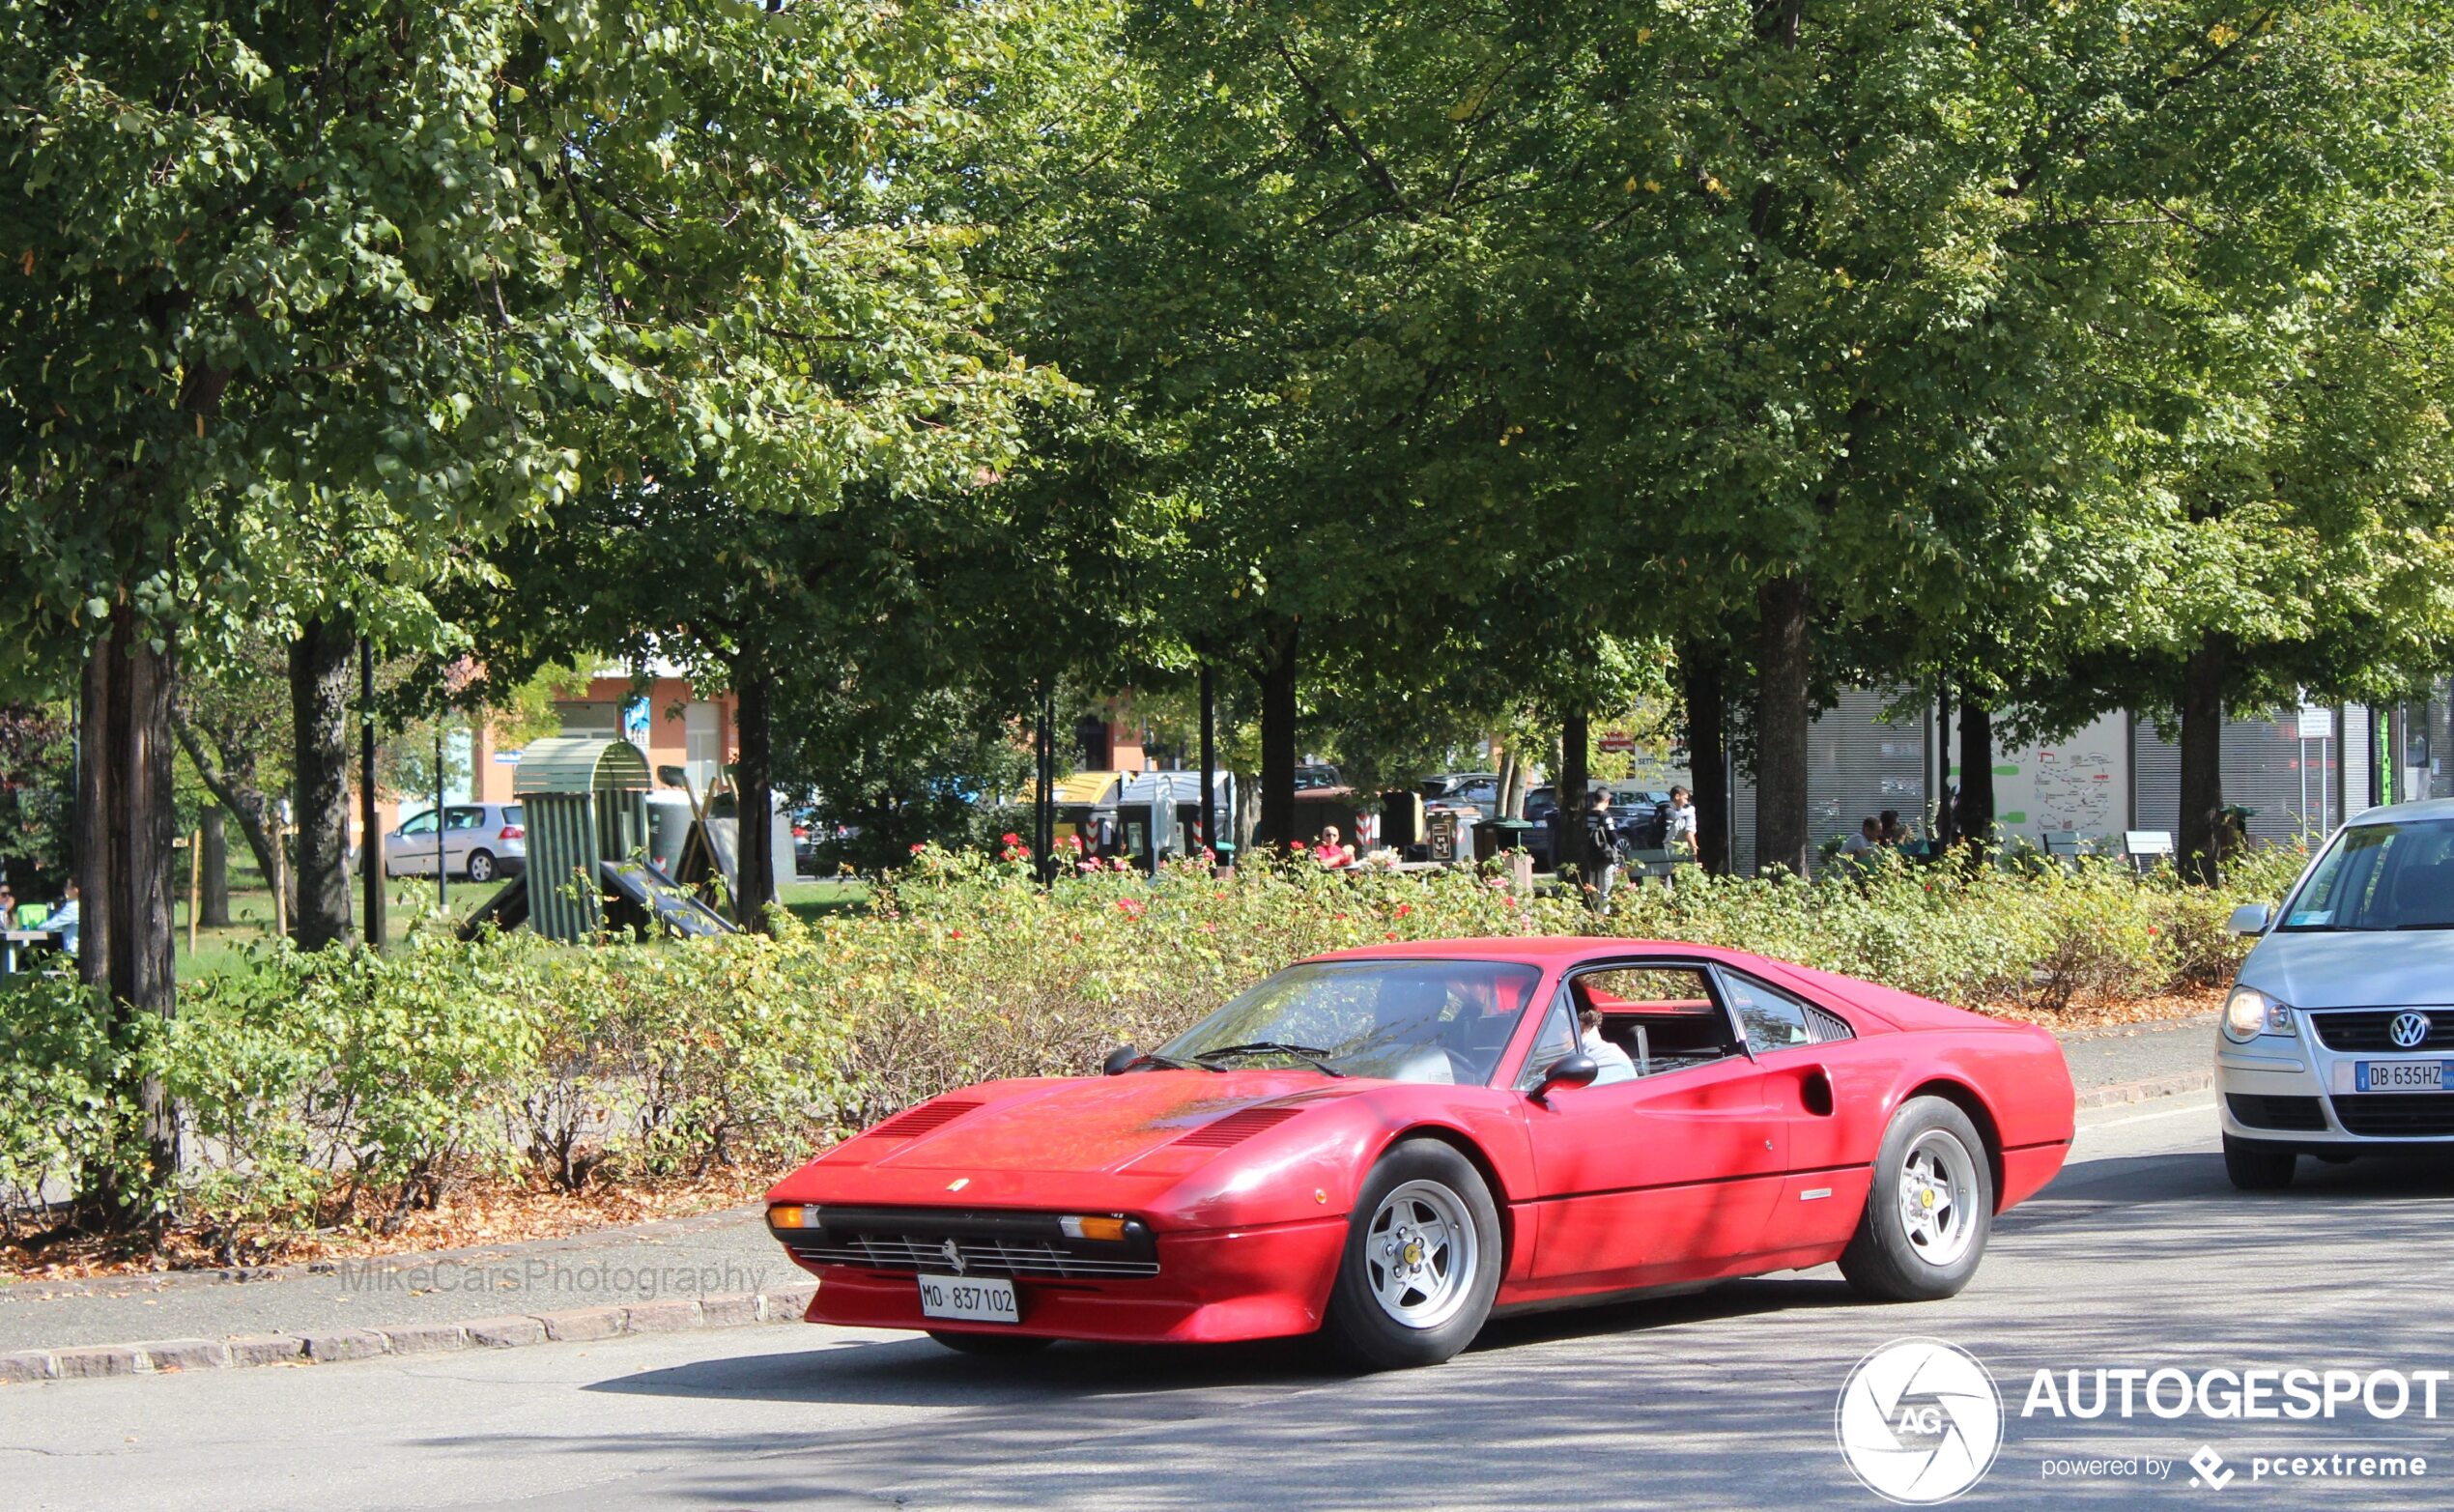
column 1614, row 1061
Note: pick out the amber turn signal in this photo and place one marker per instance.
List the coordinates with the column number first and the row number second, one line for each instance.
column 1109, row 1229
column 792, row 1216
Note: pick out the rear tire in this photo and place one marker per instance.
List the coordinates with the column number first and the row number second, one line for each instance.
column 990, row 1346
column 481, row 866
column 1421, row 1263
column 2255, row 1167
column 1928, row 1209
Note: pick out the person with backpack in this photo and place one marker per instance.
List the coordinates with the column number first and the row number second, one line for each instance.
column 1602, row 847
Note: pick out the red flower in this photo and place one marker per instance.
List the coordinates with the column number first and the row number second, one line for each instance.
column 1010, row 838
column 1403, row 909
column 953, row 934
column 919, row 846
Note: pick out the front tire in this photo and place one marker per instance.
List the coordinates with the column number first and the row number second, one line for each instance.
column 2254, row 1167
column 990, row 1346
column 1928, row 1209
column 1421, row 1263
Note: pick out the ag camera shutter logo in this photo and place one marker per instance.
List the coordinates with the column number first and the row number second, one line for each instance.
column 1919, row 1421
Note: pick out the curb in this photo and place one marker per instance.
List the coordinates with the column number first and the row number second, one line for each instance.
column 169, row 1357
column 2147, row 1090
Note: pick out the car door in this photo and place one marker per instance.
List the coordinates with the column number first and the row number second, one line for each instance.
column 464, row 825
column 1668, row 1176
column 1809, row 1063
column 413, row 852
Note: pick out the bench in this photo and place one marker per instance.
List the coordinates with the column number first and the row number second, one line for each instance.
column 2145, row 847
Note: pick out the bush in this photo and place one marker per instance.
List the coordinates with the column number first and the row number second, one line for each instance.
column 350, row 1086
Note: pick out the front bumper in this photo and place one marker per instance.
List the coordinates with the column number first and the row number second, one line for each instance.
column 2295, row 1092
column 1209, row 1288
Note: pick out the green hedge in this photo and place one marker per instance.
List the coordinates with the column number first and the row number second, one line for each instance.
column 351, row 1087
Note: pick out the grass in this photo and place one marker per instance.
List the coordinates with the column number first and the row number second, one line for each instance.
column 406, row 900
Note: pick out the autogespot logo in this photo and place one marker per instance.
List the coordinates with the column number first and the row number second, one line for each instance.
column 1919, row 1421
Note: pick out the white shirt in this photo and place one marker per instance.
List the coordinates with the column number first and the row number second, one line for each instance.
column 1682, row 825
column 1614, row 1061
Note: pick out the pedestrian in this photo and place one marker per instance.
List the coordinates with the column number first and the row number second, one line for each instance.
column 1892, row 833
column 63, row 921
column 1679, row 834
column 1329, row 852
column 1869, row 834
column 1602, row 846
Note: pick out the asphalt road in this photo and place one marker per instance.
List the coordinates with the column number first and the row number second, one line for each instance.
column 2140, row 1256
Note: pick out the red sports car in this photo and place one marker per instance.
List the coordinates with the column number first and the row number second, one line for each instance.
column 1388, row 1144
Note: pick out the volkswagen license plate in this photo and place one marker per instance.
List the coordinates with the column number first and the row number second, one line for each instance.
column 2398, row 1076
column 970, row 1298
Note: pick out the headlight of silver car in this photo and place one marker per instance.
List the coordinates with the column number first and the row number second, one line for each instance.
column 2250, row 1013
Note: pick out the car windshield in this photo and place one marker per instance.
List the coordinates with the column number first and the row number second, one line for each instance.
column 1405, row 1020
column 2379, row 877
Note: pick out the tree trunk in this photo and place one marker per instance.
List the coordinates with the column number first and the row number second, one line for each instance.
column 1946, row 814
column 1568, row 846
column 320, row 763
column 243, row 803
column 1975, row 818
column 1705, row 673
column 124, row 866
column 753, row 781
column 2198, row 845
column 214, row 914
column 1782, row 837
column 370, row 824
column 1277, row 824
column 1210, row 761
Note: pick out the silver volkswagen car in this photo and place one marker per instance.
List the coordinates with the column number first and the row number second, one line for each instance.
column 2338, row 1038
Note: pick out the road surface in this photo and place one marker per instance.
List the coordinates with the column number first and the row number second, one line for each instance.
column 2140, row 1256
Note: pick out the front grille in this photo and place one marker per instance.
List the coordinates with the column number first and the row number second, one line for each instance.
column 1020, row 1244
column 2370, row 1028
column 2258, row 1110
column 2397, row 1115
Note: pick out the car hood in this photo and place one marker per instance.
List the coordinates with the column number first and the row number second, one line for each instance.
column 2396, row 968
column 1091, row 1123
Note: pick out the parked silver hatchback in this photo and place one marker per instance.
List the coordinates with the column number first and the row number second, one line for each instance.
column 2338, row 1038
column 479, row 842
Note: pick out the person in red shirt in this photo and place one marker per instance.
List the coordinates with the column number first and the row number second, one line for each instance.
column 1330, row 853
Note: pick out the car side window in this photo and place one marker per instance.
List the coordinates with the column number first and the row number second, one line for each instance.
column 1559, row 1039
column 469, row 818
column 1662, row 1017
column 423, row 824
column 1773, row 1020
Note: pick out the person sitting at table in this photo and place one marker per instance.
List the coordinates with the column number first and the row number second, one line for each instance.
column 1328, row 850
column 63, row 921
column 8, row 907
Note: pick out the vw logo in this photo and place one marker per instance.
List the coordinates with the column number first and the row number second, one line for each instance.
column 2409, row 1031
column 955, row 1256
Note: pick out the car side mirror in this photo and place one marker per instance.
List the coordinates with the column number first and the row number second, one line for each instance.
column 1576, row 1068
column 1123, row 1058
column 2249, row 918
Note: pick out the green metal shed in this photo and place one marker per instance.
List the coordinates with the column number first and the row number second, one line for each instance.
column 587, row 802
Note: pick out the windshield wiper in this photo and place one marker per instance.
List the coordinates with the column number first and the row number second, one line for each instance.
column 1318, row 1058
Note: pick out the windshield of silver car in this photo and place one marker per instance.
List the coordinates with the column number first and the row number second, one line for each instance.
column 2379, row 877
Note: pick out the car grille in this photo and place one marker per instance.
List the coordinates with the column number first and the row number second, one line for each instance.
column 2258, row 1110
column 1021, row 1245
column 2397, row 1115
column 2369, row 1029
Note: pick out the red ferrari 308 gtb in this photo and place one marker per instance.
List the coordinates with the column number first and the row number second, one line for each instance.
column 1390, row 1144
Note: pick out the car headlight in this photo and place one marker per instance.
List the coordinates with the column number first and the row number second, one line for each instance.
column 2250, row 1013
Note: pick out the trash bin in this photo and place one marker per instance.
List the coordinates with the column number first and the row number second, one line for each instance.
column 1500, row 834
column 1451, row 832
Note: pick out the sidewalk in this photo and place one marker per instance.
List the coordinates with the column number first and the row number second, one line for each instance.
column 714, row 1270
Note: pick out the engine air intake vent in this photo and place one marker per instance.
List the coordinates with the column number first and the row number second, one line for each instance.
column 1237, row 1126
column 928, row 1118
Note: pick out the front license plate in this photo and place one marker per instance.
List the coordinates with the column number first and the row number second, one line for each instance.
column 2398, row 1076
column 970, row 1298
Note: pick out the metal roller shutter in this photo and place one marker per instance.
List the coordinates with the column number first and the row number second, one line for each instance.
column 1856, row 767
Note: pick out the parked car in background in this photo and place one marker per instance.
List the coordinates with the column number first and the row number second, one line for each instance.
column 1316, row 776
column 478, row 842
column 1475, row 790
